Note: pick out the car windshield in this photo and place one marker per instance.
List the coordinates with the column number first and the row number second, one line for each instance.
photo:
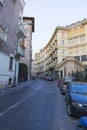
column 79, row 88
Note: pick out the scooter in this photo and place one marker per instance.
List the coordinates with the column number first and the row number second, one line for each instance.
column 82, row 125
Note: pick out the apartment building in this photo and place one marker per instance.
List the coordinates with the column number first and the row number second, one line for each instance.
column 77, row 40
column 12, row 33
column 32, row 69
column 39, row 63
column 68, row 41
column 29, row 26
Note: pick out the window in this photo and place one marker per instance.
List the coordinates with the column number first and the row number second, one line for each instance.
column 82, row 38
column 83, row 58
column 62, row 42
column 62, row 34
column 64, row 71
column 63, row 52
column 75, row 40
column 11, row 63
column 71, row 41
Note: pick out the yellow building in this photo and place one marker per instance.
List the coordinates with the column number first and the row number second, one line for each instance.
column 71, row 41
column 77, row 41
column 39, row 63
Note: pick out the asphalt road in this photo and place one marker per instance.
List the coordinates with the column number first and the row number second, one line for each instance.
column 38, row 106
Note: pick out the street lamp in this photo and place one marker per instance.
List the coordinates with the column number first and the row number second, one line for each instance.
column 21, row 33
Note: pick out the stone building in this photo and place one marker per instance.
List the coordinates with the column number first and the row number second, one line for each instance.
column 29, row 27
column 39, row 63
column 70, row 40
column 11, row 33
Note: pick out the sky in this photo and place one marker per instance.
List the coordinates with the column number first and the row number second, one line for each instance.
column 49, row 14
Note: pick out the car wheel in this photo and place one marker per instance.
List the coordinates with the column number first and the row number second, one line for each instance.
column 68, row 109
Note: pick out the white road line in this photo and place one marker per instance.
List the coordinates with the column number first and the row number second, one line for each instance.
column 15, row 105
column 38, row 87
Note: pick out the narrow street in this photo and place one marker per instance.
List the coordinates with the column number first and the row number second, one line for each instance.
column 38, row 106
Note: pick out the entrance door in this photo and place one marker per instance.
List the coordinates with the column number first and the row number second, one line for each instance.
column 61, row 73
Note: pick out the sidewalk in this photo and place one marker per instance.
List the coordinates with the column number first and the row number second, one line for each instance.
column 11, row 88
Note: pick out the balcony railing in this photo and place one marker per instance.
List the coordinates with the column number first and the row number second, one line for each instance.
column 21, row 31
column 54, row 56
column 20, row 52
column 3, row 34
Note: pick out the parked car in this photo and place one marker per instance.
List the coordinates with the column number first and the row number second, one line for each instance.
column 46, row 77
column 82, row 124
column 76, row 99
column 50, row 78
column 65, row 82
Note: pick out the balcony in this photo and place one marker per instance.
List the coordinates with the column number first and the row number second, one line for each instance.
column 22, row 2
column 54, row 56
column 21, row 33
column 1, row 2
column 3, row 34
column 20, row 52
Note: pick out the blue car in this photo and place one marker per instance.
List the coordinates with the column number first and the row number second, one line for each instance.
column 82, row 125
column 76, row 99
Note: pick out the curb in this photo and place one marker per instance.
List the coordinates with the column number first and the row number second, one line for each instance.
column 11, row 88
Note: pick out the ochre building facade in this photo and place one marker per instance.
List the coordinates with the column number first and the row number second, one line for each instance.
column 68, row 41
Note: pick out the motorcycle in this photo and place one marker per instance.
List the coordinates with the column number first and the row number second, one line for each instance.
column 82, row 125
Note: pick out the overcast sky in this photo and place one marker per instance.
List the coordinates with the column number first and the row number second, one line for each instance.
column 51, row 13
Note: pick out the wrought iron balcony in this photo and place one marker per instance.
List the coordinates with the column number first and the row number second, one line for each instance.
column 20, row 52
column 22, row 2
column 21, row 31
column 3, row 34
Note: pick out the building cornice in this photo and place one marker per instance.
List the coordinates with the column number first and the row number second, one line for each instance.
column 33, row 21
column 70, row 58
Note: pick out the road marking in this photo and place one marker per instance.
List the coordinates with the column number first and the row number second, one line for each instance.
column 38, row 87
column 18, row 103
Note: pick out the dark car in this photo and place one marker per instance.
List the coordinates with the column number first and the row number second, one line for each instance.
column 65, row 82
column 76, row 99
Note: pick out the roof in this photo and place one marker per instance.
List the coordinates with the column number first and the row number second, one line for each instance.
column 70, row 58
